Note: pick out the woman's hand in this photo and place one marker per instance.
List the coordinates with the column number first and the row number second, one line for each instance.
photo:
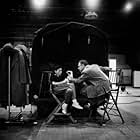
column 69, row 78
column 66, row 80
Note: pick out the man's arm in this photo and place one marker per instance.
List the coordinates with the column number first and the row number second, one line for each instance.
column 80, row 79
column 105, row 68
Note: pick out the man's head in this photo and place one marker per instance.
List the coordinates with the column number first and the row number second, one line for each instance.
column 82, row 64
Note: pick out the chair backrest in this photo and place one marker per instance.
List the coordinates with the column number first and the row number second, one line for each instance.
column 116, row 81
column 115, row 77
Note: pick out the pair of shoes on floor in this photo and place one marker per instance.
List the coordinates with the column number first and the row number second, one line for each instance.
column 76, row 105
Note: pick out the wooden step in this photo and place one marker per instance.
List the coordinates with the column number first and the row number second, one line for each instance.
column 62, row 114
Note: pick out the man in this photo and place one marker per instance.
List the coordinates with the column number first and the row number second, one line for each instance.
column 95, row 81
column 61, row 85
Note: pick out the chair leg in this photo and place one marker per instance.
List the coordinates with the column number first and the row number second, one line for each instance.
column 90, row 114
column 72, row 119
column 55, row 112
column 105, row 106
column 51, row 116
column 115, row 103
column 41, row 82
column 105, row 112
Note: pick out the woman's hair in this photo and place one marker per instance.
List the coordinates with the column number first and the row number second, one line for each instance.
column 56, row 67
column 83, row 61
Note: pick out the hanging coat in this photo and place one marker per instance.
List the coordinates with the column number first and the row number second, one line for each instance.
column 18, row 75
column 5, row 52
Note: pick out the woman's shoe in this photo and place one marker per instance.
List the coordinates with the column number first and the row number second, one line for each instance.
column 64, row 108
column 76, row 105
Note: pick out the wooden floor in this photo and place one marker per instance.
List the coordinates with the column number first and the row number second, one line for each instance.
column 129, row 105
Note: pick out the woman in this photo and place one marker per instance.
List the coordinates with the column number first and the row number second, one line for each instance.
column 61, row 85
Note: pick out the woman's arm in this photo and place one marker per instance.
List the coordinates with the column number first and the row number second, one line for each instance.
column 65, row 81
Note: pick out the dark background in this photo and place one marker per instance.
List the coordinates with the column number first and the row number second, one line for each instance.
column 19, row 22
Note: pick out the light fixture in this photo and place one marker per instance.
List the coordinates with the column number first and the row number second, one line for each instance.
column 39, row 5
column 89, row 15
column 91, row 4
column 128, row 7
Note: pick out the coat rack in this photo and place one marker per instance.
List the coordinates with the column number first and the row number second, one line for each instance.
column 16, row 118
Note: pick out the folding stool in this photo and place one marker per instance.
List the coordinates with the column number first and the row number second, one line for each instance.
column 109, row 104
column 102, row 103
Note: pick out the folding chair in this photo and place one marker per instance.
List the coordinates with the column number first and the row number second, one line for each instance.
column 57, row 109
column 114, row 76
column 100, row 102
column 44, row 76
column 114, row 109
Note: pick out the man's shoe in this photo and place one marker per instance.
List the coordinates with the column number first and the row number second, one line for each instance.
column 76, row 105
column 87, row 106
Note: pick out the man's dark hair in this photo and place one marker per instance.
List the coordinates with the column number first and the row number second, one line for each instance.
column 83, row 61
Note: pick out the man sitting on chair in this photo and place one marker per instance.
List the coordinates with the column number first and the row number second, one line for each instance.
column 61, row 85
column 93, row 79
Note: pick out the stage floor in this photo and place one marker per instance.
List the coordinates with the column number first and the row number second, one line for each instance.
column 129, row 105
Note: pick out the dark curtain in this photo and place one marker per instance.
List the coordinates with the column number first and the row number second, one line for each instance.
column 65, row 44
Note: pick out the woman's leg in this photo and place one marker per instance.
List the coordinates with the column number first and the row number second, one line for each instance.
column 68, row 95
column 68, row 98
column 72, row 86
column 74, row 100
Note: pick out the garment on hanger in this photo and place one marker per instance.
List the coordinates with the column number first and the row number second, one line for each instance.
column 19, row 76
column 6, row 51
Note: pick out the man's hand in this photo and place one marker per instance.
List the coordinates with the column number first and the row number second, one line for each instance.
column 70, row 73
